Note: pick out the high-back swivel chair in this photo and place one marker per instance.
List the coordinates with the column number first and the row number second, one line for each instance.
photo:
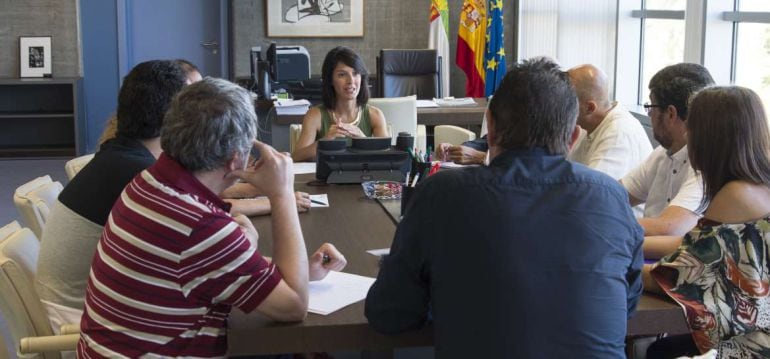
column 402, row 72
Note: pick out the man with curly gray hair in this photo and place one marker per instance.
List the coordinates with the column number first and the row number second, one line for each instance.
column 172, row 262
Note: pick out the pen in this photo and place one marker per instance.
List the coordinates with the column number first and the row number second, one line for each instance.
column 414, row 181
column 318, row 202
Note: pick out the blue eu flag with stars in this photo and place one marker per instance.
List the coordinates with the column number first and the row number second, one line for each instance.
column 494, row 55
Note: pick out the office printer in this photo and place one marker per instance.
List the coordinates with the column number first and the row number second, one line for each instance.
column 293, row 63
column 281, row 66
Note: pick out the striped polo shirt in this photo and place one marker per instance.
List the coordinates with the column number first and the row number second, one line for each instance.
column 169, row 267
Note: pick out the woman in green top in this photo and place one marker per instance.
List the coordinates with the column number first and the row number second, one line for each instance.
column 344, row 112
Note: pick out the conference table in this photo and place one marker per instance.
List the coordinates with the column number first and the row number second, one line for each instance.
column 429, row 116
column 355, row 224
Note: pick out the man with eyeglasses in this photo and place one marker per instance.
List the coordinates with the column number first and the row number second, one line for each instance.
column 666, row 183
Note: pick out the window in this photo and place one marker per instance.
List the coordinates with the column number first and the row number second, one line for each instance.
column 662, row 39
column 730, row 38
column 663, row 46
column 572, row 32
column 665, row 4
column 751, row 61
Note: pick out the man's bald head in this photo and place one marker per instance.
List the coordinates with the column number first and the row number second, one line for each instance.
column 590, row 84
column 592, row 90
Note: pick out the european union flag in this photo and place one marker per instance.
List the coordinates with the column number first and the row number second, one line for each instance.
column 494, row 55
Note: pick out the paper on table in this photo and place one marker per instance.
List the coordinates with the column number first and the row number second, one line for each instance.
column 319, row 200
column 450, row 164
column 290, row 102
column 426, row 103
column 379, row 252
column 451, row 101
column 336, row 291
column 291, row 107
column 291, row 110
column 303, row 167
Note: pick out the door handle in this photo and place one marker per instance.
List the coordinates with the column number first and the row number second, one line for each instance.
column 212, row 46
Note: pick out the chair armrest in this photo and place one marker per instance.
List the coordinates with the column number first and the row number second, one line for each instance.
column 52, row 343
column 69, row 328
column 420, row 139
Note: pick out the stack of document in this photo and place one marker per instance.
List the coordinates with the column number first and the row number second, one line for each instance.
column 291, row 107
column 451, row 101
column 426, row 104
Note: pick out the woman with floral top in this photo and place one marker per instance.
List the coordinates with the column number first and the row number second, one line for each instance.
column 720, row 274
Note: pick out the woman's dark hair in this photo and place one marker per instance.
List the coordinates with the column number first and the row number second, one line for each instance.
column 187, row 66
column 728, row 138
column 348, row 57
column 145, row 96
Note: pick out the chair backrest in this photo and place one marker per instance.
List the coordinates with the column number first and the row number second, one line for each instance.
column 9, row 229
column 73, row 166
column 294, row 131
column 400, row 114
column 409, row 72
column 19, row 303
column 452, row 134
column 34, row 201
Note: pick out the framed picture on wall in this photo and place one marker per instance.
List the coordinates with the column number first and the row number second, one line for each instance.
column 35, row 56
column 315, row 18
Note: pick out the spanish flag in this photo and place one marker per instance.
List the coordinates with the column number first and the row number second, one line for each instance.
column 471, row 45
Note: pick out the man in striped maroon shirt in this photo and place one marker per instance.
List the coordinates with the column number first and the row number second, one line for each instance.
column 172, row 262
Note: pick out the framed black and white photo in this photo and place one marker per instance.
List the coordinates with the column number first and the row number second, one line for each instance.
column 35, row 56
column 315, row 18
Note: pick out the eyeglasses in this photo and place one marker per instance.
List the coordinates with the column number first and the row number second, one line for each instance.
column 648, row 106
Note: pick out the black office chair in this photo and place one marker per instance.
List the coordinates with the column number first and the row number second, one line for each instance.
column 409, row 72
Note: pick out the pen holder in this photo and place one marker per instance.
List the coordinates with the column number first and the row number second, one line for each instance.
column 404, row 141
column 420, row 167
column 406, row 195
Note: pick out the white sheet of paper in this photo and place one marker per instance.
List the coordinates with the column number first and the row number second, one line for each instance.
column 285, row 102
column 450, row 164
column 323, row 198
column 379, row 252
column 336, row 291
column 426, row 103
column 292, row 110
column 303, row 167
column 451, row 101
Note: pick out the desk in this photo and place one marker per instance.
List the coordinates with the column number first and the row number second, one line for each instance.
column 429, row 116
column 355, row 224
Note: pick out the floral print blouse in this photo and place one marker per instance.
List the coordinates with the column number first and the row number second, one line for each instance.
column 720, row 278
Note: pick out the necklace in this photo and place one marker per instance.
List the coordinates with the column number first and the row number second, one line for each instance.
column 357, row 117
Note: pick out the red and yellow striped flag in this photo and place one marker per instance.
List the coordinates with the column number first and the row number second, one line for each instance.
column 471, row 41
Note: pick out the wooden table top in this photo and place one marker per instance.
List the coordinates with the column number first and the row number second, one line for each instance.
column 430, row 116
column 356, row 224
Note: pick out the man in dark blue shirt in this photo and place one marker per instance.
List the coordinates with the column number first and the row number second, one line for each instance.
column 530, row 257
